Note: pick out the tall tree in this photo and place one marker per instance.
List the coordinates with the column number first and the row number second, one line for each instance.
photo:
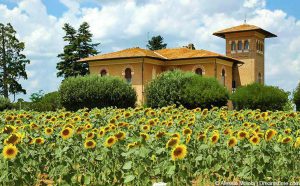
column 12, row 61
column 79, row 45
column 156, row 43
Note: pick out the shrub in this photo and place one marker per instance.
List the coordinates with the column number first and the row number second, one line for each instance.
column 186, row 89
column 96, row 91
column 5, row 103
column 296, row 97
column 258, row 96
column 49, row 102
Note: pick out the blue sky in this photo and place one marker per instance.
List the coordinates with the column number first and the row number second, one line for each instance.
column 121, row 24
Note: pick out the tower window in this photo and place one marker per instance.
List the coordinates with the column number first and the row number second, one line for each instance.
column 199, row 71
column 233, row 46
column 240, row 45
column 246, row 45
column 103, row 72
column 223, row 76
column 128, row 75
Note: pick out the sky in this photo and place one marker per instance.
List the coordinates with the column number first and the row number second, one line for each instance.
column 120, row 24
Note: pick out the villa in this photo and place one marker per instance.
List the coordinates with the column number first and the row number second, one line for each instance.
column 243, row 63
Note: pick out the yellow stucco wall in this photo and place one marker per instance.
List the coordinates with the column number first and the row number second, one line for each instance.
column 146, row 69
column 253, row 59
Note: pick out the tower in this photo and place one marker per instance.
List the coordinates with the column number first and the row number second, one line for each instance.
column 246, row 43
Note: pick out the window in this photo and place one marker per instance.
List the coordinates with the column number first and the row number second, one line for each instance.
column 257, row 45
column 223, row 77
column 240, row 45
column 103, row 72
column 246, row 45
column 128, row 75
column 199, row 71
column 233, row 46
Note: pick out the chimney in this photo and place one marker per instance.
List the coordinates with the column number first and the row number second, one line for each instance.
column 190, row 46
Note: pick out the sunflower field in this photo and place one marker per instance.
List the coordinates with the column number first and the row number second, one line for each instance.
column 141, row 146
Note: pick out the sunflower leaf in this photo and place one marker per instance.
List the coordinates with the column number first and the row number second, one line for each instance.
column 129, row 178
column 127, row 165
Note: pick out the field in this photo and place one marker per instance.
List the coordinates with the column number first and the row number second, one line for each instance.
column 141, row 146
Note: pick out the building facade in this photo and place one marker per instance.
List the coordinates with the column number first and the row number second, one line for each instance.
column 242, row 64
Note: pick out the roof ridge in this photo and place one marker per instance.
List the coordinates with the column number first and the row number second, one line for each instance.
column 159, row 55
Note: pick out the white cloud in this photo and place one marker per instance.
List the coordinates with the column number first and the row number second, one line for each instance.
column 122, row 24
column 254, row 3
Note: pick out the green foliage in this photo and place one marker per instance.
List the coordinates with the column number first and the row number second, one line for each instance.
column 37, row 96
column 47, row 102
column 296, row 97
column 258, row 96
column 156, row 43
column 79, row 45
column 185, row 88
column 12, row 61
column 204, row 92
column 96, row 91
column 5, row 103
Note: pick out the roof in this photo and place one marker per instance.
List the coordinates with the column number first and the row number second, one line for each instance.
column 164, row 54
column 127, row 53
column 243, row 28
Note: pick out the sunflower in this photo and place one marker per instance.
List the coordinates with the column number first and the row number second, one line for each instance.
column 187, row 131
column 131, row 145
column 188, row 139
column 242, row 135
column 270, row 133
column 127, row 114
column 90, row 135
column 145, row 136
column 9, row 118
column 297, row 142
column 160, row 134
column 89, row 144
column 10, row 151
column 232, row 142
column 286, row 139
column 113, row 121
column 14, row 139
column 66, row 133
column 48, row 131
column 227, row 131
column 101, row 133
column 8, row 129
column 120, row 135
column 179, row 152
column 79, row 129
column 39, row 140
column 88, row 126
column 176, row 135
column 151, row 122
column 215, row 138
column 201, row 136
column 33, row 126
column 287, row 131
column 254, row 140
column 145, row 128
column 110, row 141
column 172, row 142
column 204, row 112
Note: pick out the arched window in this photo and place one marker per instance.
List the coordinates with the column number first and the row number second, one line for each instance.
column 240, row 45
column 223, row 76
column 103, row 72
column 246, row 45
column 128, row 75
column 233, row 46
column 199, row 71
column 260, row 78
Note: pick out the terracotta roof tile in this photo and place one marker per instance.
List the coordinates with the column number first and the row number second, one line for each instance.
column 127, row 53
column 164, row 54
column 243, row 28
